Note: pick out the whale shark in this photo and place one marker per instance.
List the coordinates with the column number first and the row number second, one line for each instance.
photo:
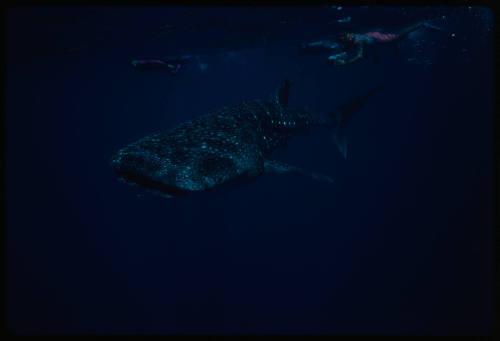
column 229, row 145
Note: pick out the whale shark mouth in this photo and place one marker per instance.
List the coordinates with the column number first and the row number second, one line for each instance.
column 150, row 184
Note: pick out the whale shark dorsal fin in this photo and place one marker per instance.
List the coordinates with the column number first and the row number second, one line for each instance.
column 283, row 93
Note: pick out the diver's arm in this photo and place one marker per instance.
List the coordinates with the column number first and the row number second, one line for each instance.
column 408, row 30
column 355, row 58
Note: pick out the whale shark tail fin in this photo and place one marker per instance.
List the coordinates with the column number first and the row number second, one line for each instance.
column 343, row 114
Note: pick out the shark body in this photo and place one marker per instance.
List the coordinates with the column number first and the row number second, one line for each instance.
column 229, row 145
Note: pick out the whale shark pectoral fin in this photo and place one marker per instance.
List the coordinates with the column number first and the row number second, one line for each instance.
column 338, row 136
column 283, row 93
column 273, row 166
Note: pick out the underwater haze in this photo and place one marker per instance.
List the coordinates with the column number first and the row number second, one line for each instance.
column 400, row 243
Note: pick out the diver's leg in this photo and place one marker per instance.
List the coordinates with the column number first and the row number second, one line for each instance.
column 408, row 30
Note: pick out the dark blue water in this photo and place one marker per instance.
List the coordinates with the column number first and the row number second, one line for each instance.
column 401, row 243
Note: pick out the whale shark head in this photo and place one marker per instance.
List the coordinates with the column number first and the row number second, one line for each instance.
column 146, row 168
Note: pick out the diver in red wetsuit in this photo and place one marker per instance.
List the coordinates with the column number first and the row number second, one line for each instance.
column 357, row 41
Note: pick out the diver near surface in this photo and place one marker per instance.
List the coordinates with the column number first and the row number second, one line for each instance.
column 356, row 42
column 172, row 66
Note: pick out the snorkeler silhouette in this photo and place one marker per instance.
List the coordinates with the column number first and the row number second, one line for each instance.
column 356, row 42
column 172, row 66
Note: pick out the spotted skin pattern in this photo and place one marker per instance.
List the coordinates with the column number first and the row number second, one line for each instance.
column 231, row 144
